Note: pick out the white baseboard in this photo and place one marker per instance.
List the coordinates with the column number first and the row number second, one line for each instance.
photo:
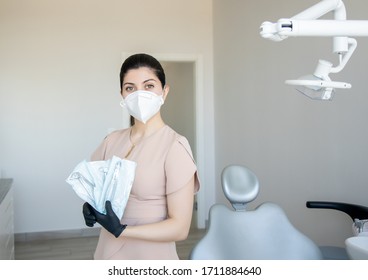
column 59, row 234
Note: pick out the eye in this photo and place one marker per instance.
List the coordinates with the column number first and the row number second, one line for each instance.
column 129, row 88
column 149, row 86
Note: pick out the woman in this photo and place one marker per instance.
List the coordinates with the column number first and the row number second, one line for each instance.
column 159, row 209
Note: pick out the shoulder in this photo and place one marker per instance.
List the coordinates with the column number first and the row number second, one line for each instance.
column 175, row 137
column 116, row 134
column 108, row 143
column 178, row 141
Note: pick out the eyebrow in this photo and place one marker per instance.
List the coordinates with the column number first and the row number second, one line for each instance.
column 149, row 80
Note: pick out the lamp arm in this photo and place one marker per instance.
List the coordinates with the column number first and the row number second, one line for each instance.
column 324, row 7
column 274, row 31
column 322, row 28
column 308, row 23
column 345, row 57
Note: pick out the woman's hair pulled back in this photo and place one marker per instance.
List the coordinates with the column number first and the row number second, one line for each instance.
column 136, row 61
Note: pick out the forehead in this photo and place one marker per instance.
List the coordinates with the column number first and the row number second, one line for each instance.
column 139, row 75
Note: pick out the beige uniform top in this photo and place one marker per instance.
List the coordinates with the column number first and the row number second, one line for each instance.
column 164, row 165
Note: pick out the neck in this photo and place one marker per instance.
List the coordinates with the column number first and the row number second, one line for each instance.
column 141, row 130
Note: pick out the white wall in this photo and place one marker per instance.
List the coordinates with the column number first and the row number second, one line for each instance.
column 59, row 88
column 300, row 149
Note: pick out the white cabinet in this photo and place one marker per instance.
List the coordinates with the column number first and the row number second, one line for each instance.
column 6, row 220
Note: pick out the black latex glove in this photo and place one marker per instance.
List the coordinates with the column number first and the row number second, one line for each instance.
column 89, row 217
column 109, row 221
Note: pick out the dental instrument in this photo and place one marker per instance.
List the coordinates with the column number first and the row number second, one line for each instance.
column 319, row 86
column 107, row 180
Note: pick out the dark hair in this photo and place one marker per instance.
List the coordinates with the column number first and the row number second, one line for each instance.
column 142, row 60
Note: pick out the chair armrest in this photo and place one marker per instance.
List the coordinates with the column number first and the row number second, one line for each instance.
column 353, row 210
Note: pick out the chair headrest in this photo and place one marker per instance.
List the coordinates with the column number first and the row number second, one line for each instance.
column 240, row 185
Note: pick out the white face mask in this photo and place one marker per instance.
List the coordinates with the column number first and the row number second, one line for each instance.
column 142, row 104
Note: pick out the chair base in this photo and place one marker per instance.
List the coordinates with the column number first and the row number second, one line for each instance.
column 334, row 253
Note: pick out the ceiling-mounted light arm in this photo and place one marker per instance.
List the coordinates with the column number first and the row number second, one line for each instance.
column 324, row 7
column 284, row 27
column 307, row 23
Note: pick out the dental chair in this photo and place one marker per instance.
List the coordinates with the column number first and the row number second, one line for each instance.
column 264, row 233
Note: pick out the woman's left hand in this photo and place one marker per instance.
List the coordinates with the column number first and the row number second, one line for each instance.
column 109, row 220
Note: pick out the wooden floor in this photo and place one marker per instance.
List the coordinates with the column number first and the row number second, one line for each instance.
column 82, row 248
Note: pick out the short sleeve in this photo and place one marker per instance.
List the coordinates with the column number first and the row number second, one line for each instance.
column 180, row 166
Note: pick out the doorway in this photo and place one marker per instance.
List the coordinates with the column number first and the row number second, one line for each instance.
column 179, row 109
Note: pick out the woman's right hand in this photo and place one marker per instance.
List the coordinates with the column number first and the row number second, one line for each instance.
column 88, row 213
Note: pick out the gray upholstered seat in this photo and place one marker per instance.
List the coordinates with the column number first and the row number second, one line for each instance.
column 262, row 233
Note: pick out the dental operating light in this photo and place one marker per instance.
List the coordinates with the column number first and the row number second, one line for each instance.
column 307, row 23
